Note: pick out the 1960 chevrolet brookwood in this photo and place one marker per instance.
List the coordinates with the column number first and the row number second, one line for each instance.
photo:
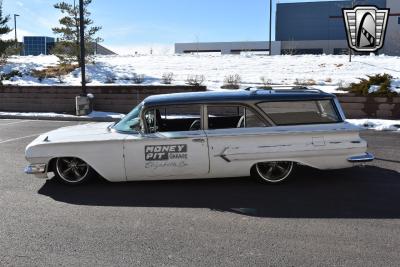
column 262, row 133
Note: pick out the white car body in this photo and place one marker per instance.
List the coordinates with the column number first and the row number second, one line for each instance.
column 203, row 153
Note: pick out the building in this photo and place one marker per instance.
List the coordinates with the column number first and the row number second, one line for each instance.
column 392, row 42
column 42, row 45
column 37, row 45
column 226, row 47
column 314, row 27
column 308, row 28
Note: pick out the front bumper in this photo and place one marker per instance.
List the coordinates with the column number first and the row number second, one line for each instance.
column 40, row 168
column 367, row 157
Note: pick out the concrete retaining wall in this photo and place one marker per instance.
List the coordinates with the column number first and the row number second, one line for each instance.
column 61, row 99
column 357, row 107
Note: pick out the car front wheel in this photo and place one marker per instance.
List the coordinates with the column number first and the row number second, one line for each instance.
column 72, row 171
column 273, row 172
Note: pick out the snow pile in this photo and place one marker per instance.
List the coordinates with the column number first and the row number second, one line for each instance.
column 101, row 114
column 326, row 72
column 394, row 86
column 94, row 114
column 377, row 124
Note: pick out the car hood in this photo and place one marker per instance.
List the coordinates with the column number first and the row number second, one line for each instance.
column 77, row 133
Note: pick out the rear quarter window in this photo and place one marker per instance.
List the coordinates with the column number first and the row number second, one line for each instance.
column 301, row 112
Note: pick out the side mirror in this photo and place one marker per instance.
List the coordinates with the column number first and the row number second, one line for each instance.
column 137, row 128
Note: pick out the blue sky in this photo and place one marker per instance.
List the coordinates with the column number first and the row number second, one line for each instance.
column 133, row 23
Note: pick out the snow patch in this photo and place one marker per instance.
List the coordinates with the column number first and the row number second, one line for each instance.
column 94, row 114
column 326, row 72
column 377, row 124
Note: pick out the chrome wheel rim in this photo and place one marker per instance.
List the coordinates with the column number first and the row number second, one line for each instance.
column 72, row 170
column 274, row 172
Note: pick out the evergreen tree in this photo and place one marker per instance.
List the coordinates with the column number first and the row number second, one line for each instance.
column 67, row 48
column 5, row 45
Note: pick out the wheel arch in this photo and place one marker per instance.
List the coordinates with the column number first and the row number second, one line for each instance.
column 51, row 165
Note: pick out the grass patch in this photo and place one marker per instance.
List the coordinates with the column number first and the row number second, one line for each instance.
column 54, row 71
column 308, row 82
column 232, row 82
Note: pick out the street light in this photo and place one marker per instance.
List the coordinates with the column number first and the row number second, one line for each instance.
column 15, row 29
column 82, row 102
column 270, row 26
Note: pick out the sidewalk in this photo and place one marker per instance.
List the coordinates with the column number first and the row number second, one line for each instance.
column 95, row 116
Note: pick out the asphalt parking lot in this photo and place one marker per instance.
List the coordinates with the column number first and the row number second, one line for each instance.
column 345, row 217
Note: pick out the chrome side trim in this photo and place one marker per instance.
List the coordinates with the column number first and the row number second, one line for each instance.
column 367, row 157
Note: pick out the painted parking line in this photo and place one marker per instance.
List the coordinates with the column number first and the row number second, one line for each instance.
column 18, row 138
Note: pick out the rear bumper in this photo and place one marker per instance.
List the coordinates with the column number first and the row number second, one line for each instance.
column 367, row 157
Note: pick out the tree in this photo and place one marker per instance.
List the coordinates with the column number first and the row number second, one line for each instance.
column 67, row 48
column 5, row 45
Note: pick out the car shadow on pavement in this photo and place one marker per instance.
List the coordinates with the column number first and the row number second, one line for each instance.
column 369, row 192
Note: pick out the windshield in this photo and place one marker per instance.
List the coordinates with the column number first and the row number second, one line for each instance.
column 131, row 122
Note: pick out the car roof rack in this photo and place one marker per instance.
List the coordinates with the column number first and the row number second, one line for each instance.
column 285, row 89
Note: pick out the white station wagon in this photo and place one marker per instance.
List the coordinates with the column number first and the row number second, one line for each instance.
column 260, row 133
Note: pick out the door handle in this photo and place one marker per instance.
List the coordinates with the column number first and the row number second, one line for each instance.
column 198, row 140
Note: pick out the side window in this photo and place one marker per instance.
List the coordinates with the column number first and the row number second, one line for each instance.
column 227, row 117
column 150, row 120
column 177, row 118
column 300, row 112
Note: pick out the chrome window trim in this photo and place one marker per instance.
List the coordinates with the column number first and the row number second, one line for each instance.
column 339, row 109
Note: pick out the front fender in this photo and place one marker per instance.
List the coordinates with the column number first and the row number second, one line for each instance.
column 105, row 157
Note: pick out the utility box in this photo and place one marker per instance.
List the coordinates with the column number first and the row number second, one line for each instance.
column 83, row 106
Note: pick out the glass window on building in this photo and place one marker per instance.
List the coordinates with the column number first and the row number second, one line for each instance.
column 37, row 45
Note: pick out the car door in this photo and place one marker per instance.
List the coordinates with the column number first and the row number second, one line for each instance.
column 171, row 148
column 234, row 135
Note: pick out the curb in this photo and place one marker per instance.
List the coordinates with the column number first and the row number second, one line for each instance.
column 44, row 118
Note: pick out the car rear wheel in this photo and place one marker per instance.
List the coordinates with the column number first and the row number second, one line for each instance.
column 273, row 172
column 72, row 171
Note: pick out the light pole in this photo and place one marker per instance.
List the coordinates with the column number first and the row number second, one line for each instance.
column 82, row 46
column 353, row 3
column 97, row 40
column 270, row 26
column 15, row 29
column 82, row 102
